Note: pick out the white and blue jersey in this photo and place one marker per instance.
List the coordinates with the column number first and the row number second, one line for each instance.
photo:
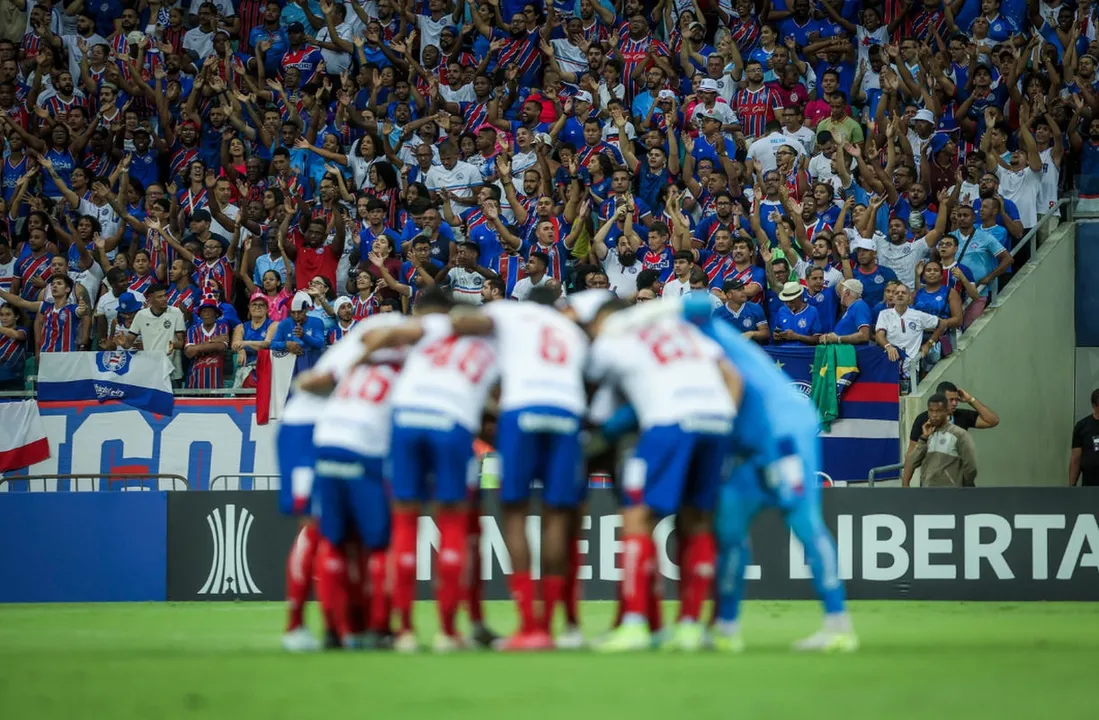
column 296, row 453
column 437, row 405
column 542, row 357
column 352, row 439
column 670, row 373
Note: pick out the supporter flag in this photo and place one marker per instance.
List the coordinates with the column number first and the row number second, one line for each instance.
column 867, row 432
column 140, row 379
column 834, row 369
column 274, row 372
column 23, row 442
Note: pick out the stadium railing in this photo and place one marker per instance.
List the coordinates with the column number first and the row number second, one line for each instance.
column 884, row 472
column 1031, row 240
column 265, row 481
column 113, row 479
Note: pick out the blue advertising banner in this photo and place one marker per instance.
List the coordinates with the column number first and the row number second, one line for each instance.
column 200, row 440
column 83, row 547
column 866, row 435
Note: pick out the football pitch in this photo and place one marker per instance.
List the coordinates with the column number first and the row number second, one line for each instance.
column 918, row 660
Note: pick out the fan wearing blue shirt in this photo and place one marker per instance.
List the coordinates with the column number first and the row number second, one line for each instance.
column 979, row 251
column 800, row 24
column 746, row 317
column 873, row 276
column 820, row 298
column 856, row 323
column 797, row 322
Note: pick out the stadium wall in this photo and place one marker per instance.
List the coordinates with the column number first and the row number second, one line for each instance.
column 1019, row 359
column 937, row 544
column 1087, row 319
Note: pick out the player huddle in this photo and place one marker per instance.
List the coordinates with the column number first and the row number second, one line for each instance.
column 383, row 427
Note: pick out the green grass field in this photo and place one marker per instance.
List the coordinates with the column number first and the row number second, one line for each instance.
column 919, row 660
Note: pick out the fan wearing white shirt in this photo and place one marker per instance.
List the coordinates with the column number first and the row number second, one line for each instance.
column 794, row 129
column 334, row 39
column 536, row 267
column 621, row 265
column 454, row 176
column 680, row 283
column 762, row 151
column 901, row 328
column 1020, row 177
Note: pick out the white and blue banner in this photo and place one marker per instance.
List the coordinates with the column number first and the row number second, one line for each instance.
column 140, row 379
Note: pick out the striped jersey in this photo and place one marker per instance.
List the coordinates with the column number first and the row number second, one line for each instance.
column 13, row 356
column 755, row 108
column 28, row 268
column 60, row 326
column 184, row 298
column 207, row 369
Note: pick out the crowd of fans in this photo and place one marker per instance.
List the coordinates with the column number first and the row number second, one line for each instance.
column 277, row 172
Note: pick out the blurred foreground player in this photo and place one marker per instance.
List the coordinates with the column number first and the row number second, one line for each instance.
column 779, row 455
column 352, row 444
column 542, row 355
column 438, row 402
column 295, row 457
column 684, row 393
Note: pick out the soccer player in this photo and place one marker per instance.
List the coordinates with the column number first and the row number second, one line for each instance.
column 438, row 402
column 777, row 431
column 542, row 399
column 351, row 437
column 296, row 453
column 684, row 394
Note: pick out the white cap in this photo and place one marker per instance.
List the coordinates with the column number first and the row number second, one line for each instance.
column 863, row 244
column 582, row 96
column 301, row 301
column 340, row 302
column 666, row 95
column 925, row 115
column 707, row 85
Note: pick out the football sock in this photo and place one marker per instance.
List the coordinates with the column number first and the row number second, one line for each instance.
column 820, row 554
column 637, row 577
column 332, row 587
column 452, row 552
column 523, row 591
column 358, row 588
column 380, row 592
column 299, row 574
column 572, row 584
column 656, row 602
column 696, row 575
column 474, row 588
column 553, row 588
column 403, row 559
column 732, row 561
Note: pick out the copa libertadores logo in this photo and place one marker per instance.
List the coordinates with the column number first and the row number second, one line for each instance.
column 229, row 571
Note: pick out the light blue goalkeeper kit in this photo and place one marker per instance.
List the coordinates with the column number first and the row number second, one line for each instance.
column 776, row 443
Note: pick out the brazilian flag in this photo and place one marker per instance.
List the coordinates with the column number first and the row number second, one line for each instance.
column 835, row 367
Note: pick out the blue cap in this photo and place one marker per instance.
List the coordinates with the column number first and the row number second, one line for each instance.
column 938, row 142
column 128, row 303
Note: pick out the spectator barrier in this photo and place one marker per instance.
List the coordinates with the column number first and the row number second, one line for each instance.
column 114, row 481
column 935, row 544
